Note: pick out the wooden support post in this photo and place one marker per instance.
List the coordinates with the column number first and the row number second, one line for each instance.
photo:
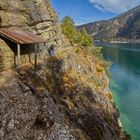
column 18, row 56
column 35, row 48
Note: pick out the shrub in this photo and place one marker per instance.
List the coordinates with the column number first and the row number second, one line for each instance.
column 75, row 36
column 86, row 39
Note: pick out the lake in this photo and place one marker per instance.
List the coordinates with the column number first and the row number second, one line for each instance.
column 125, row 83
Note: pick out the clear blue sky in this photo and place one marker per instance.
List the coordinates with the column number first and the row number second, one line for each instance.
column 84, row 11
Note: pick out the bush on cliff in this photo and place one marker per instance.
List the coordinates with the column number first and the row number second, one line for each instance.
column 82, row 38
column 75, row 36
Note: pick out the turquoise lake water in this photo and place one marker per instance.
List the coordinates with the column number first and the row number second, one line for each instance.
column 125, row 83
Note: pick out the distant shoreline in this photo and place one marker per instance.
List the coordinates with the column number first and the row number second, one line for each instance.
column 119, row 41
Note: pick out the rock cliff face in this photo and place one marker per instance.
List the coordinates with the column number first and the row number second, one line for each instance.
column 66, row 98
column 36, row 16
column 124, row 26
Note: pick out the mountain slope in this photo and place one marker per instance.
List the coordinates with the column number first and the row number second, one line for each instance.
column 126, row 26
column 67, row 97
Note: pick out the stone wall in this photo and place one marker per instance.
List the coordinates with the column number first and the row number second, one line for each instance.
column 36, row 16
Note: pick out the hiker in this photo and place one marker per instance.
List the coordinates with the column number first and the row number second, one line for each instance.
column 52, row 49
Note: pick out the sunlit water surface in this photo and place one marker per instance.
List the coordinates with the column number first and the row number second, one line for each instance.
column 125, row 83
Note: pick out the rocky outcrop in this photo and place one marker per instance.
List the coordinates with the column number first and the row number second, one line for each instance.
column 35, row 16
column 66, row 98
column 126, row 26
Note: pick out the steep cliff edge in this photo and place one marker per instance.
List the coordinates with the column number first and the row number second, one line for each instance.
column 67, row 98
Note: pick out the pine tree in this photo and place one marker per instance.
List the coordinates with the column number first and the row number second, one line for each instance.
column 75, row 36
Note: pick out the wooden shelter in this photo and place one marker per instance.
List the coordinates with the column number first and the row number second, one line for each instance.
column 21, row 37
